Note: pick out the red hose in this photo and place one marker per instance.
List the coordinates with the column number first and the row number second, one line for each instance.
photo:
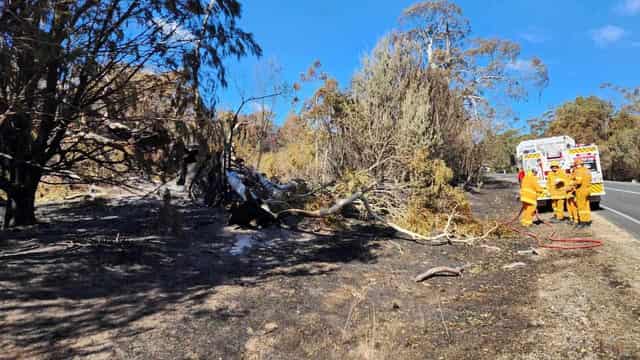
column 586, row 243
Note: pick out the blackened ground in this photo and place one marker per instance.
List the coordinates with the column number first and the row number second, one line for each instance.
column 107, row 280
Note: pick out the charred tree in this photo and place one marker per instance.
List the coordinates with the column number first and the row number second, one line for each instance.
column 69, row 66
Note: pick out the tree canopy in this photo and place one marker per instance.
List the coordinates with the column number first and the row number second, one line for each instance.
column 65, row 65
column 592, row 120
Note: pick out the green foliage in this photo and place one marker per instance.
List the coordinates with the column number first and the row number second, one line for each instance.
column 353, row 181
column 428, row 173
column 430, row 181
column 430, row 197
column 500, row 149
column 587, row 120
column 594, row 120
column 623, row 156
column 394, row 107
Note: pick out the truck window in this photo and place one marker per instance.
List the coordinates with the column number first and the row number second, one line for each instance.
column 591, row 164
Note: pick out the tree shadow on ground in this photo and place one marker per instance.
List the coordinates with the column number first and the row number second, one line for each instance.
column 94, row 268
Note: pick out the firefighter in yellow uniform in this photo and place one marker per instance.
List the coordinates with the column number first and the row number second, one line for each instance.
column 583, row 190
column 529, row 190
column 557, row 181
column 572, row 207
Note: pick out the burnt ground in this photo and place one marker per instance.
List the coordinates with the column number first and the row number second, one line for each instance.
column 105, row 280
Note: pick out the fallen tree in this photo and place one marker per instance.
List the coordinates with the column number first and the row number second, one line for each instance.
column 250, row 196
column 396, row 143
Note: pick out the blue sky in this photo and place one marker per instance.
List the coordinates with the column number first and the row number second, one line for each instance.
column 585, row 43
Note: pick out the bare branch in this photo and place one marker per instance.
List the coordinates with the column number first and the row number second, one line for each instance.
column 339, row 205
column 440, row 271
column 45, row 169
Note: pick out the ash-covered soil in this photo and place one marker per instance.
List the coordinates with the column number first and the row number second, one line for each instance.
column 108, row 280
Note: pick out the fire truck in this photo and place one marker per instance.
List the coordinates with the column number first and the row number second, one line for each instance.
column 539, row 153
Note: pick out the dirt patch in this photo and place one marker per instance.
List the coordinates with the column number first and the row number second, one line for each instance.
column 586, row 303
column 298, row 294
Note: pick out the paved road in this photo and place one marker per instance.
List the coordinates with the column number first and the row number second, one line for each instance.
column 621, row 205
column 504, row 177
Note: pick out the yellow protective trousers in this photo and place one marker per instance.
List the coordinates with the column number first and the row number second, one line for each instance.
column 572, row 208
column 584, row 207
column 528, row 212
column 558, row 208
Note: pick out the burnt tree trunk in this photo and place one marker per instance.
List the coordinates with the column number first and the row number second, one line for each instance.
column 19, row 172
column 20, row 208
column 208, row 184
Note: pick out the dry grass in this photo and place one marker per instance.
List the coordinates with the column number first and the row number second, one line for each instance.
column 46, row 192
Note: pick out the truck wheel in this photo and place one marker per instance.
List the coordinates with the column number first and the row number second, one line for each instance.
column 595, row 205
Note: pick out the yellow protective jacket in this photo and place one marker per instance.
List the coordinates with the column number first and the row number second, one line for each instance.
column 557, row 183
column 582, row 180
column 571, row 185
column 529, row 189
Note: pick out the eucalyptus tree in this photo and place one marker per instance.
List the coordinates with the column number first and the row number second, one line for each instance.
column 65, row 62
column 478, row 67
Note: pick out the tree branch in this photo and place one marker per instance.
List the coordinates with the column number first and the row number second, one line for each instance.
column 339, row 205
column 439, row 271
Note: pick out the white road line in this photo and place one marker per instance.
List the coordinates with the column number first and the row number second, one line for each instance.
column 622, row 182
column 607, row 188
column 621, row 214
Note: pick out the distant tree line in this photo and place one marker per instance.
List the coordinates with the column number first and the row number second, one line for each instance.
column 592, row 120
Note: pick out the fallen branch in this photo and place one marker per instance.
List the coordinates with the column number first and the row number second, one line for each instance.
column 272, row 187
column 491, row 248
column 514, row 265
column 339, row 205
column 531, row 251
column 313, row 191
column 76, row 196
column 91, row 194
column 472, row 240
column 439, row 271
column 248, row 196
column 236, row 184
column 442, row 239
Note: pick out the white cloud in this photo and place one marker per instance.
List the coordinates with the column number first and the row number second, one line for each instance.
column 629, row 7
column 534, row 35
column 608, row 34
column 177, row 32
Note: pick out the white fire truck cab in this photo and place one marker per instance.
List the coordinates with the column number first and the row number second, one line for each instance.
column 539, row 153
